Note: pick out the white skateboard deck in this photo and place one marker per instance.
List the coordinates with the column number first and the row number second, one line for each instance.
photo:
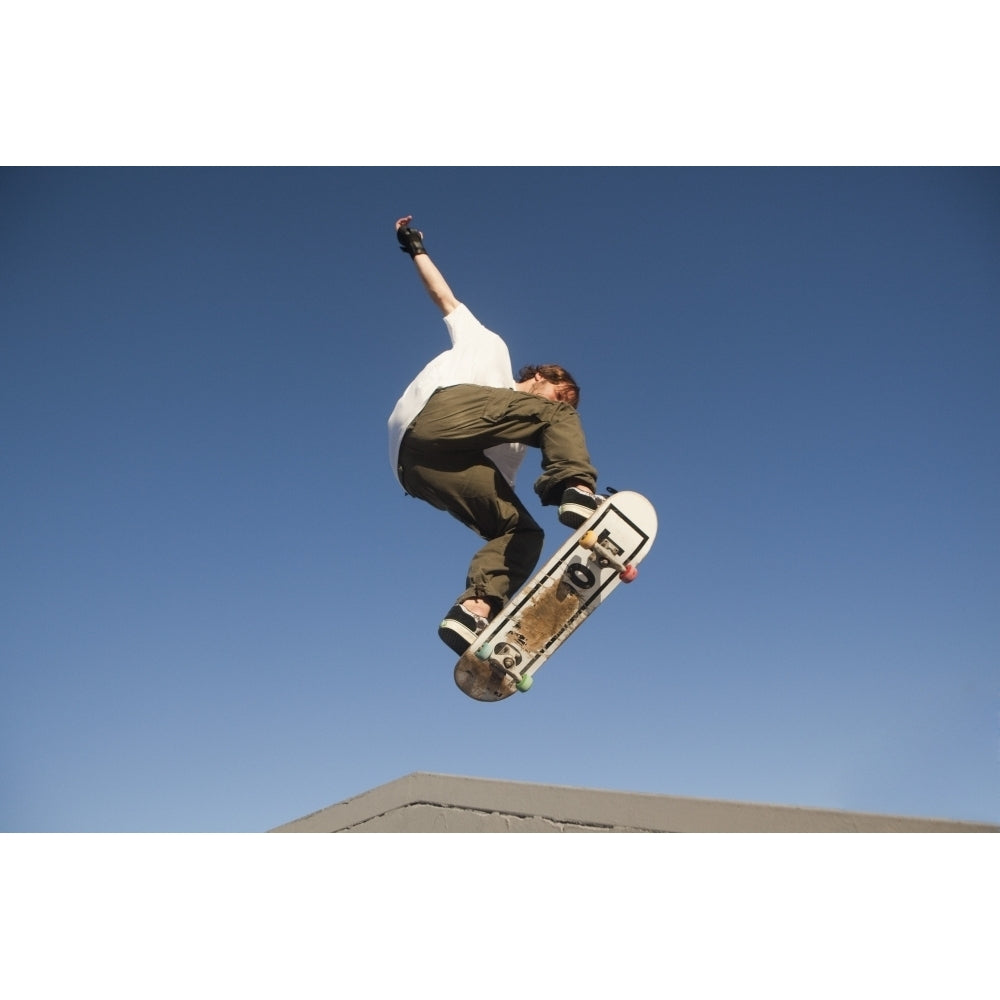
column 578, row 578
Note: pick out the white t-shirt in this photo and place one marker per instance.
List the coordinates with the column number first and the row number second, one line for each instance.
column 477, row 357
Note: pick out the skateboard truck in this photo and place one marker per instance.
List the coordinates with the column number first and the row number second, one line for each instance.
column 497, row 656
column 590, row 541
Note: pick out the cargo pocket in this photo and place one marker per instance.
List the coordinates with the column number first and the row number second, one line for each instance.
column 497, row 405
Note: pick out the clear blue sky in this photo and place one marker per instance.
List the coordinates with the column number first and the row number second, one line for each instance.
column 219, row 610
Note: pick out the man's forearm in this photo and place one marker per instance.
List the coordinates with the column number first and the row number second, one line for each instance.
column 433, row 281
column 412, row 242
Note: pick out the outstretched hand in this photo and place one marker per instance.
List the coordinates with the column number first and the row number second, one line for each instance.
column 410, row 240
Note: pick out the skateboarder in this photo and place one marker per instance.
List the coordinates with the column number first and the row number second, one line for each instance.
column 457, row 436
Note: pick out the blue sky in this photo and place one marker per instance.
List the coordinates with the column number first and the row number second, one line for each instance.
column 219, row 610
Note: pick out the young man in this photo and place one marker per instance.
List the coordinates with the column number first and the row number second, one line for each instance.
column 457, row 436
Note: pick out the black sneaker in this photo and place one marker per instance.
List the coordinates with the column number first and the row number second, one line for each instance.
column 459, row 629
column 576, row 506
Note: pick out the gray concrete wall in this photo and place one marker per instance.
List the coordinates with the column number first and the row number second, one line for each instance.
column 437, row 803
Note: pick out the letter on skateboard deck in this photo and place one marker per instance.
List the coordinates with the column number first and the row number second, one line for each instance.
column 589, row 565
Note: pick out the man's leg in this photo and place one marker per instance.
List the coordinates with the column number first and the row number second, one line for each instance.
column 513, row 545
column 471, row 489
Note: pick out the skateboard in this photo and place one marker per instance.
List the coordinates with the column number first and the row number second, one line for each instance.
column 602, row 553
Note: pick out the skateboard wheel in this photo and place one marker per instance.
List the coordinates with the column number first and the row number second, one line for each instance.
column 589, row 539
column 525, row 682
column 485, row 651
column 628, row 574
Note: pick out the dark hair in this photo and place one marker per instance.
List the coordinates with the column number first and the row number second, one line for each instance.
column 555, row 374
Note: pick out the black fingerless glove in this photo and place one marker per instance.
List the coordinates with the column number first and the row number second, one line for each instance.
column 410, row 241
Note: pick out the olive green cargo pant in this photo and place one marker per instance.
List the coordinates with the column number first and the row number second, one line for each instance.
column 441, row 461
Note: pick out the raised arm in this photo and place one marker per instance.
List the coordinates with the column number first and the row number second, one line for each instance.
column 411, row 240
